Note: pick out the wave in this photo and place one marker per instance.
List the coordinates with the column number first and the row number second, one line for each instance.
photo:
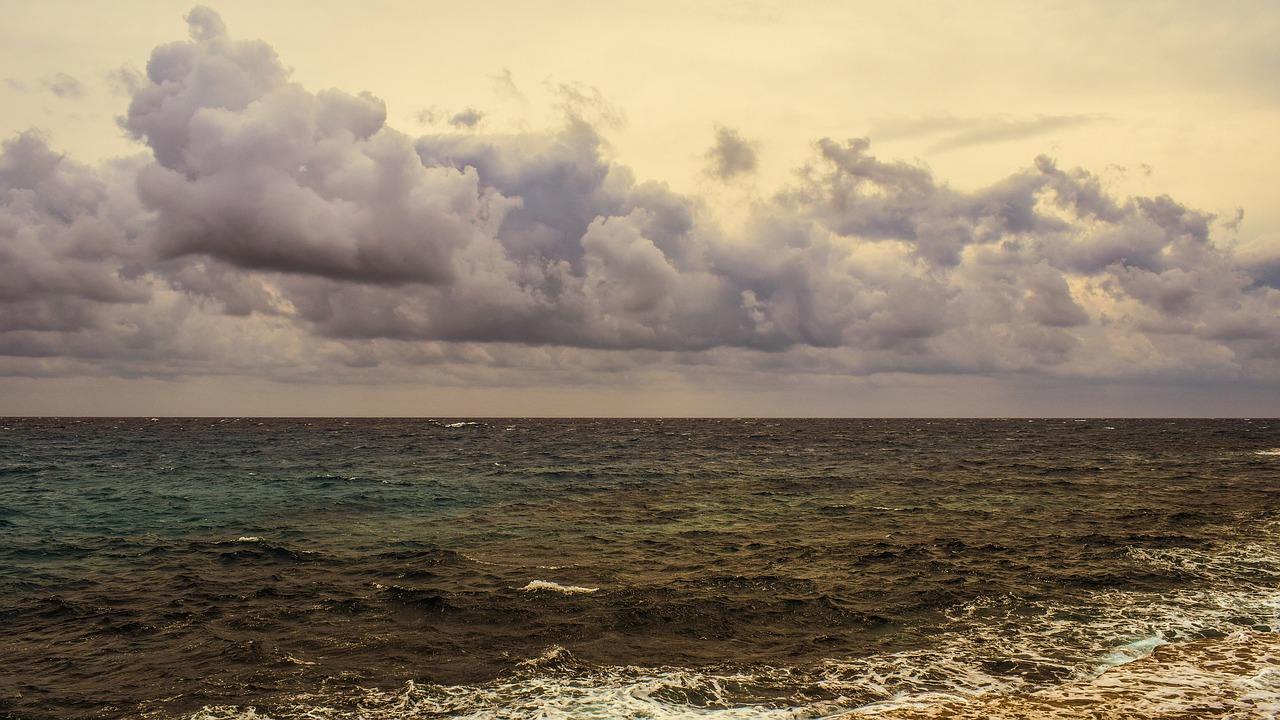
column 536, row 585
column 1236, row 676
column 1112, row 654
column 994, row 656
column 586, row 569
column 1107, row 653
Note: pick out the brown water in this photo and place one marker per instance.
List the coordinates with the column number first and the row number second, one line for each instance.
column 648, row 569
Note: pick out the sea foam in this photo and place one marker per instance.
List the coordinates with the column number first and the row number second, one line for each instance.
column 1236, row 676
column 535, row 585
column 1232, row 677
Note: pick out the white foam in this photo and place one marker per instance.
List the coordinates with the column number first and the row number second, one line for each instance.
column 620, row 694
column 477, row 560
column 249, row 538
column 1076, row 643
column 225, row 712
column 1272, row 451
column 1130, row 654
column 1231, row 677
column 1135, row 650
column 1239, row 673
column 551, row 654
column 535, row 585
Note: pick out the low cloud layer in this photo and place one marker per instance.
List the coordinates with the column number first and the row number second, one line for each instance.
column 277, row 230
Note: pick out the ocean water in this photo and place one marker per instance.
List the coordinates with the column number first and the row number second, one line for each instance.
column 326, row 568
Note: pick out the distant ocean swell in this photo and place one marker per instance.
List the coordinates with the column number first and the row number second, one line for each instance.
column 329, row 569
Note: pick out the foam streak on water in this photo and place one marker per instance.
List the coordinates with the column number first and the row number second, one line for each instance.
column 343, row 569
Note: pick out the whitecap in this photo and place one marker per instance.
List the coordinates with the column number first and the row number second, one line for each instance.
column 535, row 585
column 1127, row 653
column 476, row 560
column 1232, row 675
column 1237, row 673
column 555, row 653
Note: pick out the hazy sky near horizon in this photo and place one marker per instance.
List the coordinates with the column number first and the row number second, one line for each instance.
column 659, row 208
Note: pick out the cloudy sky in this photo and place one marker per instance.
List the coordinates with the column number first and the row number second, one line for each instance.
column 398, row 207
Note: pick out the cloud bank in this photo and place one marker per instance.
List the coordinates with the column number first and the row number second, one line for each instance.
column 273, row 230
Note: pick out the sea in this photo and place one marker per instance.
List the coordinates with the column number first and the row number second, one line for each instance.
column 327, row 569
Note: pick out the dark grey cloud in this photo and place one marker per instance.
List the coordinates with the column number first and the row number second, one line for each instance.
column 731, row 156
column 272, row 227
column 1265, row 271
column 66, row 231
column 69, row 239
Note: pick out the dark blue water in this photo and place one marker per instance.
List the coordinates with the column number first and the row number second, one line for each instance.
column 605, row 568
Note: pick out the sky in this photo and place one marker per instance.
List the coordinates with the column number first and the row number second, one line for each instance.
column 848, row 208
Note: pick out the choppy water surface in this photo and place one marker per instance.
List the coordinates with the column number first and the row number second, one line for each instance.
column 205, row 568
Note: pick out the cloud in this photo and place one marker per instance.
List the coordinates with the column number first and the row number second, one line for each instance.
column 731, row 156
column 504, row 86
column 126, row 80
column 60, row 84
column 961, row 132
column 468, row 118
column 64, row 86
column 586, row 103
column 277, row 230
column 1006, row 130
column 68, row 237
column 254, row 170
column 1261, row 261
